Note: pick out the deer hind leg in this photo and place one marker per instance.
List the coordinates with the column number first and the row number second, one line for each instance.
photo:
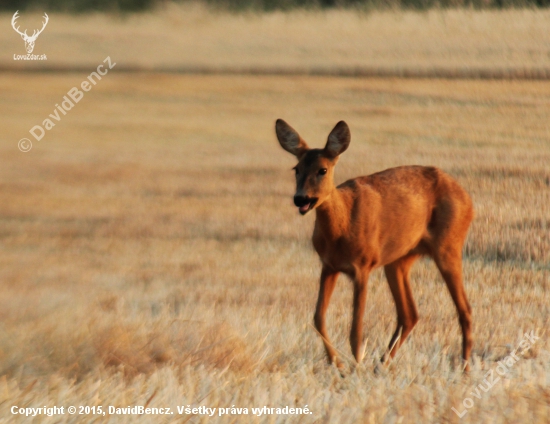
column 453, row 216
column 328, row 282
column 449, row 263
column 397, row 274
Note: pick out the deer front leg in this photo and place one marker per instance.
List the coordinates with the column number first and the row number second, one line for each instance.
column 328, row 282
column 359, row 300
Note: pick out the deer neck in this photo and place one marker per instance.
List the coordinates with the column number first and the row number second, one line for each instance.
column 333, row 215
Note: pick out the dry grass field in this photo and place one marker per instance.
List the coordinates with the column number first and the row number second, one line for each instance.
column 192, row 36
column 151, row 254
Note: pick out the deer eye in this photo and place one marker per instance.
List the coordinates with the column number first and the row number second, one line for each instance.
column 296, row 170
column 322, row 171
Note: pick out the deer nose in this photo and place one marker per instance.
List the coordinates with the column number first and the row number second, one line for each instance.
column 301, row 200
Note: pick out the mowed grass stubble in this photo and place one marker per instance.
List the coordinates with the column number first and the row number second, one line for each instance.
column 150, row 246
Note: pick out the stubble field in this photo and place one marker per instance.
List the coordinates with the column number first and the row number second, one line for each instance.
column 151, row 254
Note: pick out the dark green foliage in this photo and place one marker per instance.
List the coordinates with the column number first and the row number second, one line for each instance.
column 78, row 5
column 140, row 5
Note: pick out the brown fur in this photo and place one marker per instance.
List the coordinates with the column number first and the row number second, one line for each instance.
column 386, row 219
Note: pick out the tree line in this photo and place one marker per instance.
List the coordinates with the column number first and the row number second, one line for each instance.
column 77, row 6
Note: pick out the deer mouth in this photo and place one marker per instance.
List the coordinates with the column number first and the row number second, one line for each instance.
column 305, row 204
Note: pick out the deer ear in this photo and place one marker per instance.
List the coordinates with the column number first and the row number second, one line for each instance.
column 289, row 139
column 338, row 140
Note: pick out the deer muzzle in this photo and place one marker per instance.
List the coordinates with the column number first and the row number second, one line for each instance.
column 305, row 203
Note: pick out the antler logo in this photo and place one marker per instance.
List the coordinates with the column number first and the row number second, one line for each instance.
column 29, row 40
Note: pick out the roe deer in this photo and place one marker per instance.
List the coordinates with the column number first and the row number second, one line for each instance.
column 387, row 219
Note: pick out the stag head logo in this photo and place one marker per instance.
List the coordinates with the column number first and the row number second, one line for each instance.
column 29, row 39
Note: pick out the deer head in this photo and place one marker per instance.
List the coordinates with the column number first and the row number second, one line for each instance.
column 314, row 172
column 29, row 40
